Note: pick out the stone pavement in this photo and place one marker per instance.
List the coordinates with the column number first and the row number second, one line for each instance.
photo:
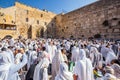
column 23, row 77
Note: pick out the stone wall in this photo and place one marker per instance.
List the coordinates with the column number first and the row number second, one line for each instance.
column 28, row 20
column 7, row 17
column 37, row 19
column 101, row 17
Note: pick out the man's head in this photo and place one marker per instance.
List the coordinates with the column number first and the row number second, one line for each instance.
column 43, row 48
column 63, row 51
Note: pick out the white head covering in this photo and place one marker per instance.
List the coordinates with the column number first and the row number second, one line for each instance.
column 30, row 47
column 4, row 66
column 82, row 54
column 40, row 72
column 96, row 57
column 11, row 42
column 58, row 57
column 83, row 67
column 75, row 53
column 64, row 74
column 110, row 56
column 57, row 60
column 94, row 50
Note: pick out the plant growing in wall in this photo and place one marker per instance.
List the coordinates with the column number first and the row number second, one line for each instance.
column 97, row 36
column 106, row 23
column 114, row 18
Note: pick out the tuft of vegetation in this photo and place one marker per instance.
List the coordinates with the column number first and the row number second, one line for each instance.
column 106, row 23
column 97, row 36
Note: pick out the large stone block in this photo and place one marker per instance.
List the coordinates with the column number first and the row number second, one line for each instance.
column 116, row 30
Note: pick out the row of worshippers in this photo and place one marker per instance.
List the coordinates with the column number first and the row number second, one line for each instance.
column 92, row 50
column 89, row 58
column 12, row 59
column 93, row 62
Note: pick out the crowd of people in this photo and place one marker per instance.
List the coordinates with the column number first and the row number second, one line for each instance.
column 62, row 59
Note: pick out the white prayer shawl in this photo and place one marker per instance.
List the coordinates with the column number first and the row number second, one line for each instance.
column 54, row 50
column 109, row 76
column 18, row 58
column 87, row 53
column 64, row 74
column 35, row 47
column 46, row 46
column 96, row 58
column 4, row 66
column 97, row 45
column 13, row 74
column 20, row 44
column 118, row 55
column 5, row 43
column 75, row 53
column 104, row 51
column 46, row 55
column 57, row 60
column 11, row 42
column 29, row 59
column 11, row 55
column 30, row 46
column 67, row 46
column 49, row 49
column 40, row 72
column 116, row 69
column 110, row 56
column 32, row 56
column 83, row 67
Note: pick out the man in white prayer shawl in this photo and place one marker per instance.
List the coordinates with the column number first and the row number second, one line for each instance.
column 57, row 59
column 67, row 45
column 110, row 56
column 49, row 50
column 14, row 68
column 46, row 46
column 32, row 56
column 10, row 51
column 83, row 69
column 104, row 50
column 64, row 74
column 96, row 58
column 18, row 56
column 75, row 52
column 11, row 42
column 40, row 72
column 4, row 65
column 54, row 49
